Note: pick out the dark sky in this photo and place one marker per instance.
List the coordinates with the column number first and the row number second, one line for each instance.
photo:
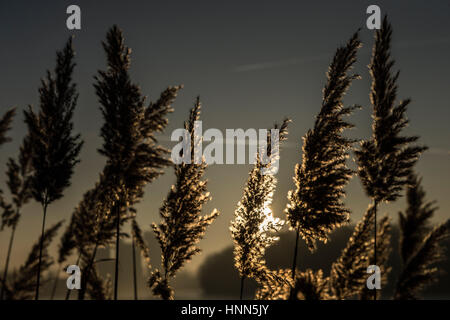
column 253, row 63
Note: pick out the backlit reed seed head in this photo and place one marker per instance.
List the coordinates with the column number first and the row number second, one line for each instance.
column 277, row 286
column 254, row 226
column 182, row 225
column 309, row 285
column 316, row 207
column 386, row 159
column 348, row 273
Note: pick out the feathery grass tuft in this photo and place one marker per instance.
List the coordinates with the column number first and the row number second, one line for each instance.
column 182, row 225
column 5, row 125
column 415, row 221
column 311, row 285
column 348, row 273
column 316, row 207
column 98, row 288
column 133, row 156
column 420, row 245
column 386, row 159
column 277, row 286
column 253, row 227
column 19, row 184
column 93, row 223
column 55, row 150
column 22, row 283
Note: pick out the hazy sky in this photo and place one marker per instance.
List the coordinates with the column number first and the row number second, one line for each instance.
column 252, row 63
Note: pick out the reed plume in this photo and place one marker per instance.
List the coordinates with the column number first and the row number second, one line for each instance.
column 309, row 285
column 19, row 183
column 93, row 224
column 277, row 286
column 5, row 125
column 349, row 272
column 386, row 159
column 253, row 225
column 316, row 207
column 55, row 150
column 22, row 282
column 8, row 214
column 420, row 244
column 98, row 288
column 182, row 225
column 133, row 156
column 415, row 221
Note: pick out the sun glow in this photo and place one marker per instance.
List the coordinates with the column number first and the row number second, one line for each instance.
column 270, row 223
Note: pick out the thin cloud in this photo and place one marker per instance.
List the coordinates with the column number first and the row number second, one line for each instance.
column 296, row 61
column 278, row 63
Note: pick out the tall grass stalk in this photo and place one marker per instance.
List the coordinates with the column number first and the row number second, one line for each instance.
column 315, row 207
column 54, row 150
